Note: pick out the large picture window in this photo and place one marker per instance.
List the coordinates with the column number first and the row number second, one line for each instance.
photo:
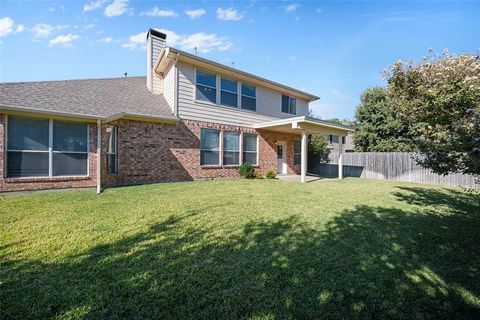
column 209, row 147
column 43, row 148
column 206, row 87
column 249, row 100
column 231, row 148
column 289, row 104
column 228, row 93
column 112, row 159
column 297, row 152
column 250, row 148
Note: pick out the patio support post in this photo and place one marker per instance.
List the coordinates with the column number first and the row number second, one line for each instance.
column 304, row 156
column 99, row 156
column 340, row 158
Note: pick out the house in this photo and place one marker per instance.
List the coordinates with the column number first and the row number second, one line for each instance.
column 189, row 118
column 336, row 142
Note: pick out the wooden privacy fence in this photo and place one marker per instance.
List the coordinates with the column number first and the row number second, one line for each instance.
column 398, row 166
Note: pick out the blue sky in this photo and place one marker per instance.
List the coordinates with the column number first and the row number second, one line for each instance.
column 334, row 49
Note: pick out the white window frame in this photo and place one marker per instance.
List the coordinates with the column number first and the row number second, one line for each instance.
column 239, row 148
column 228, row 91
column 290, row 98
column 257, row 151
column 244, row 95
column 216, row 87
column 297, row 153
column 220, row 150
column 115, row 130
column 219, row 89
column 50, row 150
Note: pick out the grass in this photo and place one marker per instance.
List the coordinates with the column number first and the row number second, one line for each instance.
column 242, row 249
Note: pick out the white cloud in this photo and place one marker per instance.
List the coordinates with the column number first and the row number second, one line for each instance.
column 109, row 40
column 157, row 12
column 20, row 28
column 106, row 40
column 292, row 7
column 6, row 26
column 94, row 5
column 193, row 14
column 204, row 42
column 229, row 14
column 116, row 8
column 65, row 40
column 137, row 41
column 42, row 30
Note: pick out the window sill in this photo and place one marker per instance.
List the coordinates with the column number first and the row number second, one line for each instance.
column 46, row 179
column 223, row 107
column 210, row 166
column 228, row 166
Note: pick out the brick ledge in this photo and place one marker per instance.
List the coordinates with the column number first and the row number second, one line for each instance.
column 44, row 179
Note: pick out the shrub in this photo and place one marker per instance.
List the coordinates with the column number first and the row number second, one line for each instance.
column 258, row 175
column 246, row 170
column 270, row 174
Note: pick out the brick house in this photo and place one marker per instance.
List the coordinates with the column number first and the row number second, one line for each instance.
column 189, row 118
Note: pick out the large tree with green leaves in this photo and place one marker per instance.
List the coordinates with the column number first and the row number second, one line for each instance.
column 377, row 128
column 440, row 100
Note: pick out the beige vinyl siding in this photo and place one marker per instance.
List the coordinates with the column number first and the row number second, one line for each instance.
column 157, row 82
column 169, row 88
column 268, row 104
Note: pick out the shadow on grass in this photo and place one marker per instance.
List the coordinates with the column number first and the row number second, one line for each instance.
column 370, row 262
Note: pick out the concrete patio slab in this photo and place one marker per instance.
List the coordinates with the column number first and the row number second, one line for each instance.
column 308, row 178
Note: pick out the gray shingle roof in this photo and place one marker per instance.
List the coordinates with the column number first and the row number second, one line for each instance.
column 91, row 97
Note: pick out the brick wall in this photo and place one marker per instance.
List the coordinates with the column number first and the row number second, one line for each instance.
column 150, row 152
column 154, row 152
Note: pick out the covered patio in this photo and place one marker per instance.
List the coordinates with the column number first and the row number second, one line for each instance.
column 305, row 126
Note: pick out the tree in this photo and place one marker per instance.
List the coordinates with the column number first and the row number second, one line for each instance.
column 377, row 128
column 317, row 145
column 440, row 100
column 343, row 122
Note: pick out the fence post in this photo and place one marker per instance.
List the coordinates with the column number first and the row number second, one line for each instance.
column 340, row 158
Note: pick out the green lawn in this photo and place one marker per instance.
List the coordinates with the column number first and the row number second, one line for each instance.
column 242, row 248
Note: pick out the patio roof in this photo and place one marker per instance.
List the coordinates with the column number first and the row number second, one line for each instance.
column 298, row 124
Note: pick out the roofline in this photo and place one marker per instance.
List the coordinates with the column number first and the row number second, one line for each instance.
column 302, row 119
column 109, row 118
column 70, row 80
column 165, row 53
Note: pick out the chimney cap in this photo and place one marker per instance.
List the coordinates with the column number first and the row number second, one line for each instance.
column 156, row 33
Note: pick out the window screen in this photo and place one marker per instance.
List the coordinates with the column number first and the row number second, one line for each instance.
column 209, row 147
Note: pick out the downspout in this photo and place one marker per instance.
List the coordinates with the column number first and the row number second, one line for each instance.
column 99, row 156
column 175, row 88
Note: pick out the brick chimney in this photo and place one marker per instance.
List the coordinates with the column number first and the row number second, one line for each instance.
column 155, row 44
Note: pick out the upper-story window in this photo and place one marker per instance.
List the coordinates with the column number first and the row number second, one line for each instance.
column 332, row 138
column 206, row 87
column 249, row 97
column 228, row 92
column 289, row 104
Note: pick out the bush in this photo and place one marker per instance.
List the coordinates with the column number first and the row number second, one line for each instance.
column 270, row 174
column 246, row 170
column 258, row 175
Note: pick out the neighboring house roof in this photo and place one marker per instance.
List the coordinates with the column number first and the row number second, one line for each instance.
column 169, row 55
column 107, row 99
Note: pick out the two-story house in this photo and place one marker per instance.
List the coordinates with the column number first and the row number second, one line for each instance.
column 189, row 118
